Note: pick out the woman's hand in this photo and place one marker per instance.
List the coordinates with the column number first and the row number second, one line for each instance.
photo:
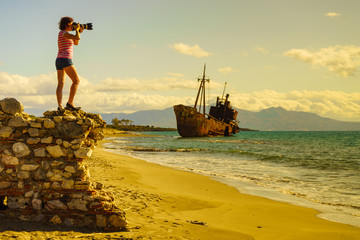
column 77, row 27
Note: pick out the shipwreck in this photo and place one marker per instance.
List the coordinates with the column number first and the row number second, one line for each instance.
column 195, row 122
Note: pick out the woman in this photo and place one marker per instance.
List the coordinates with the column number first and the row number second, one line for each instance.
column 64, row 62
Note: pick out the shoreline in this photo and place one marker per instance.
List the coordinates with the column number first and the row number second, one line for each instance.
column 224, row 208
column 326, row 212
column 329, row 212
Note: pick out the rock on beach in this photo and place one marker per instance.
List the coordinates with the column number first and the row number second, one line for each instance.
column 43, row 169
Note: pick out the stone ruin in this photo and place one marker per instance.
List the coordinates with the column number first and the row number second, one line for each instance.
column 43, row 171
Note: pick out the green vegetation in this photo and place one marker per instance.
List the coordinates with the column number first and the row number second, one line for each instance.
column 127, row 125
column 116, row 122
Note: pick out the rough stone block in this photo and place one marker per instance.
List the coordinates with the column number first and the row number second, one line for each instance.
column 37, row 204
column 70, row 118
column 68, row 184
column 29, row 167
column 5, row 184
column 70, row 169
column 68, row 130
column 11, row 106
column 55, row 204
column 89, row 122
column 33, row 140
column 55, row 151
column 56, row 185
column 40, row 152
column 21, row 149
column 47, row 140
column 49, row 124
column 29, row 194
column 35, row 125
column 17, row 121
column 66, row 174
column 69, row 222
column 24, row 174
column 56, row 178
column 101, row 221
column 57, row 119
column 83, row 153
column 33, row 132
column 56, row 220
column 39, row 174
column 117, row 221
column 78, row 204
column 66, row 144
column 6, row 131
column 9, row 160
column 46, row 185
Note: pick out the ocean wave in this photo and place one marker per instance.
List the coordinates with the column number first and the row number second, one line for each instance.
column 242, row 141
column 145, row 149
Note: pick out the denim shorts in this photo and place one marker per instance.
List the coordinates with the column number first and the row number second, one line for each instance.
column 62, row 63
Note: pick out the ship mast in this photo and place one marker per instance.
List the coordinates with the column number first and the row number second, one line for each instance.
column 201, row 92
column 223, row 91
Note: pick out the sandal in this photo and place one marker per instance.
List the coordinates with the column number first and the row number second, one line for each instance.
column 72, row 108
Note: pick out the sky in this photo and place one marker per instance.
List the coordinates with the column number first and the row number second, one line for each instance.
column 148, row 54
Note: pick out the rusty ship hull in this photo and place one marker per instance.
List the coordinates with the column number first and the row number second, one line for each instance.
column 191, row 123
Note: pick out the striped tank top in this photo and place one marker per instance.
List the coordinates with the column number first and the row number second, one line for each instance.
column 65, row 46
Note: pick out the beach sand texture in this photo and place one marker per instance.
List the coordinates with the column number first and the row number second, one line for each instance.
column 165, row 203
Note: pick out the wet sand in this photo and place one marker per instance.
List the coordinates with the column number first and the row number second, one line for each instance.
column 165, row 203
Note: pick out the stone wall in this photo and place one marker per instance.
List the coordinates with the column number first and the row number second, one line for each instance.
column 43, row 172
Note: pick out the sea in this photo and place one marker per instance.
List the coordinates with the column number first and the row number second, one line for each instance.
column 319, row 170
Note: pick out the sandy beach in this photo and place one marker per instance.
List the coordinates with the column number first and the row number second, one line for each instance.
column 165, row 203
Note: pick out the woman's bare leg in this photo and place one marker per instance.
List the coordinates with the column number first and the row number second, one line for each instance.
column 60, row 86
column 71, row 72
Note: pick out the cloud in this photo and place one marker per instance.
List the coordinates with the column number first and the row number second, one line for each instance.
column 129, row 102
column 175, row 74
column 341, row 60
column 38, row 92
column 226, row 70
column 132, row 84
column 14, row 84
column 194, row 51
column 332, row 14
column 175, row 81
column 331, row 104
column 261, row 50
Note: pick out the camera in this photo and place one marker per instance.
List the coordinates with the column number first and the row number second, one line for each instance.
column 87, row 26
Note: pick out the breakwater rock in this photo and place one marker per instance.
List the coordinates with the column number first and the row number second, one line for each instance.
column 43, row 171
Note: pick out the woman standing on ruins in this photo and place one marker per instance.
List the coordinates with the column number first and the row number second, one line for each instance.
column 64, row 62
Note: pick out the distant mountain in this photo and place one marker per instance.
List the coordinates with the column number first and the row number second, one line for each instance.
column 279, row 119
column 157, row 118
column 270, row 119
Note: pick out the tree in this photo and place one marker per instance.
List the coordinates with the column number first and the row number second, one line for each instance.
column 115, row 122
